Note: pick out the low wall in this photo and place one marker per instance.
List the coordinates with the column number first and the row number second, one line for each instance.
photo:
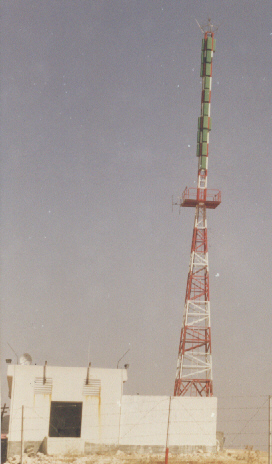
column 93, row 448
column 64, row 445
column 14, row 447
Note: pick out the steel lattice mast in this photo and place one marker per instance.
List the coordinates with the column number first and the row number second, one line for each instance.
column 194, row 365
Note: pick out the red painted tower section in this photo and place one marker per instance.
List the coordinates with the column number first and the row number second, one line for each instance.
column 194, row 365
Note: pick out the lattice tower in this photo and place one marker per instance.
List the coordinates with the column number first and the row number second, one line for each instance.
column 194, row 365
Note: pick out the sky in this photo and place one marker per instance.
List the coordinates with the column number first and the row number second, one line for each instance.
column 99, row 108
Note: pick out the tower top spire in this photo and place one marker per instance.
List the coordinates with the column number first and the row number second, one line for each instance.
column 210, row 28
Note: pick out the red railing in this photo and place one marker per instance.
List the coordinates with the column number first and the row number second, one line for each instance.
column 192, row 196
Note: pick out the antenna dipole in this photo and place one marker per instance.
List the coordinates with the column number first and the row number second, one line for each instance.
column 122, row 357
column 194, row 365
column 17, row 357
column 208, row 27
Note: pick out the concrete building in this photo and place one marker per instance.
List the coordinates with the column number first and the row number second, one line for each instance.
column 81, row 411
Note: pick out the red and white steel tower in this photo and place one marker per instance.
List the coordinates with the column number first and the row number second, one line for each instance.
column 194, row 365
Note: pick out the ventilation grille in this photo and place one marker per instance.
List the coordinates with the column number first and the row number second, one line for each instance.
column 93, row 387
column 43, row 388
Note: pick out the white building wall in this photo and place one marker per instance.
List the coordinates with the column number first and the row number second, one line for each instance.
column 109, row 419
column 100, row 413
column 36, row 407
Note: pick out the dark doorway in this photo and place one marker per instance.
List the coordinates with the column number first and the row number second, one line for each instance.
column 65, row 419
column 4, row 447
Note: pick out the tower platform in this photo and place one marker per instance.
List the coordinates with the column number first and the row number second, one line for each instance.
column 192, row 197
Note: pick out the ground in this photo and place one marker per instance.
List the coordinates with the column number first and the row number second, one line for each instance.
column 247, row 456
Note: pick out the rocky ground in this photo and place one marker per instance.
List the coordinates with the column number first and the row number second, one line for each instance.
column 247, row 456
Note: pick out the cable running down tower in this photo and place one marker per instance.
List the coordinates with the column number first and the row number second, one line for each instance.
column 194, row 365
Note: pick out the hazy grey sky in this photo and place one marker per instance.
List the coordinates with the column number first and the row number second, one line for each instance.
column 99, row 108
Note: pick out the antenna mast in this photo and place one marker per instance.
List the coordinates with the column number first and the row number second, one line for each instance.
column 194, row 365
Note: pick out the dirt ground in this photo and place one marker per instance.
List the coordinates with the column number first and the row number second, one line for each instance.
column 247, row 456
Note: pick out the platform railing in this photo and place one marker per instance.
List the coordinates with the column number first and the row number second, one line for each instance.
column 196, row 194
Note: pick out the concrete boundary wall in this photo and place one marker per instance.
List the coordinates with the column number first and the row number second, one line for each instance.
column 192, row 422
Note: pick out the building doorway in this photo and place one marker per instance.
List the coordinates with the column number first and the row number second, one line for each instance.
column 65, row 419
